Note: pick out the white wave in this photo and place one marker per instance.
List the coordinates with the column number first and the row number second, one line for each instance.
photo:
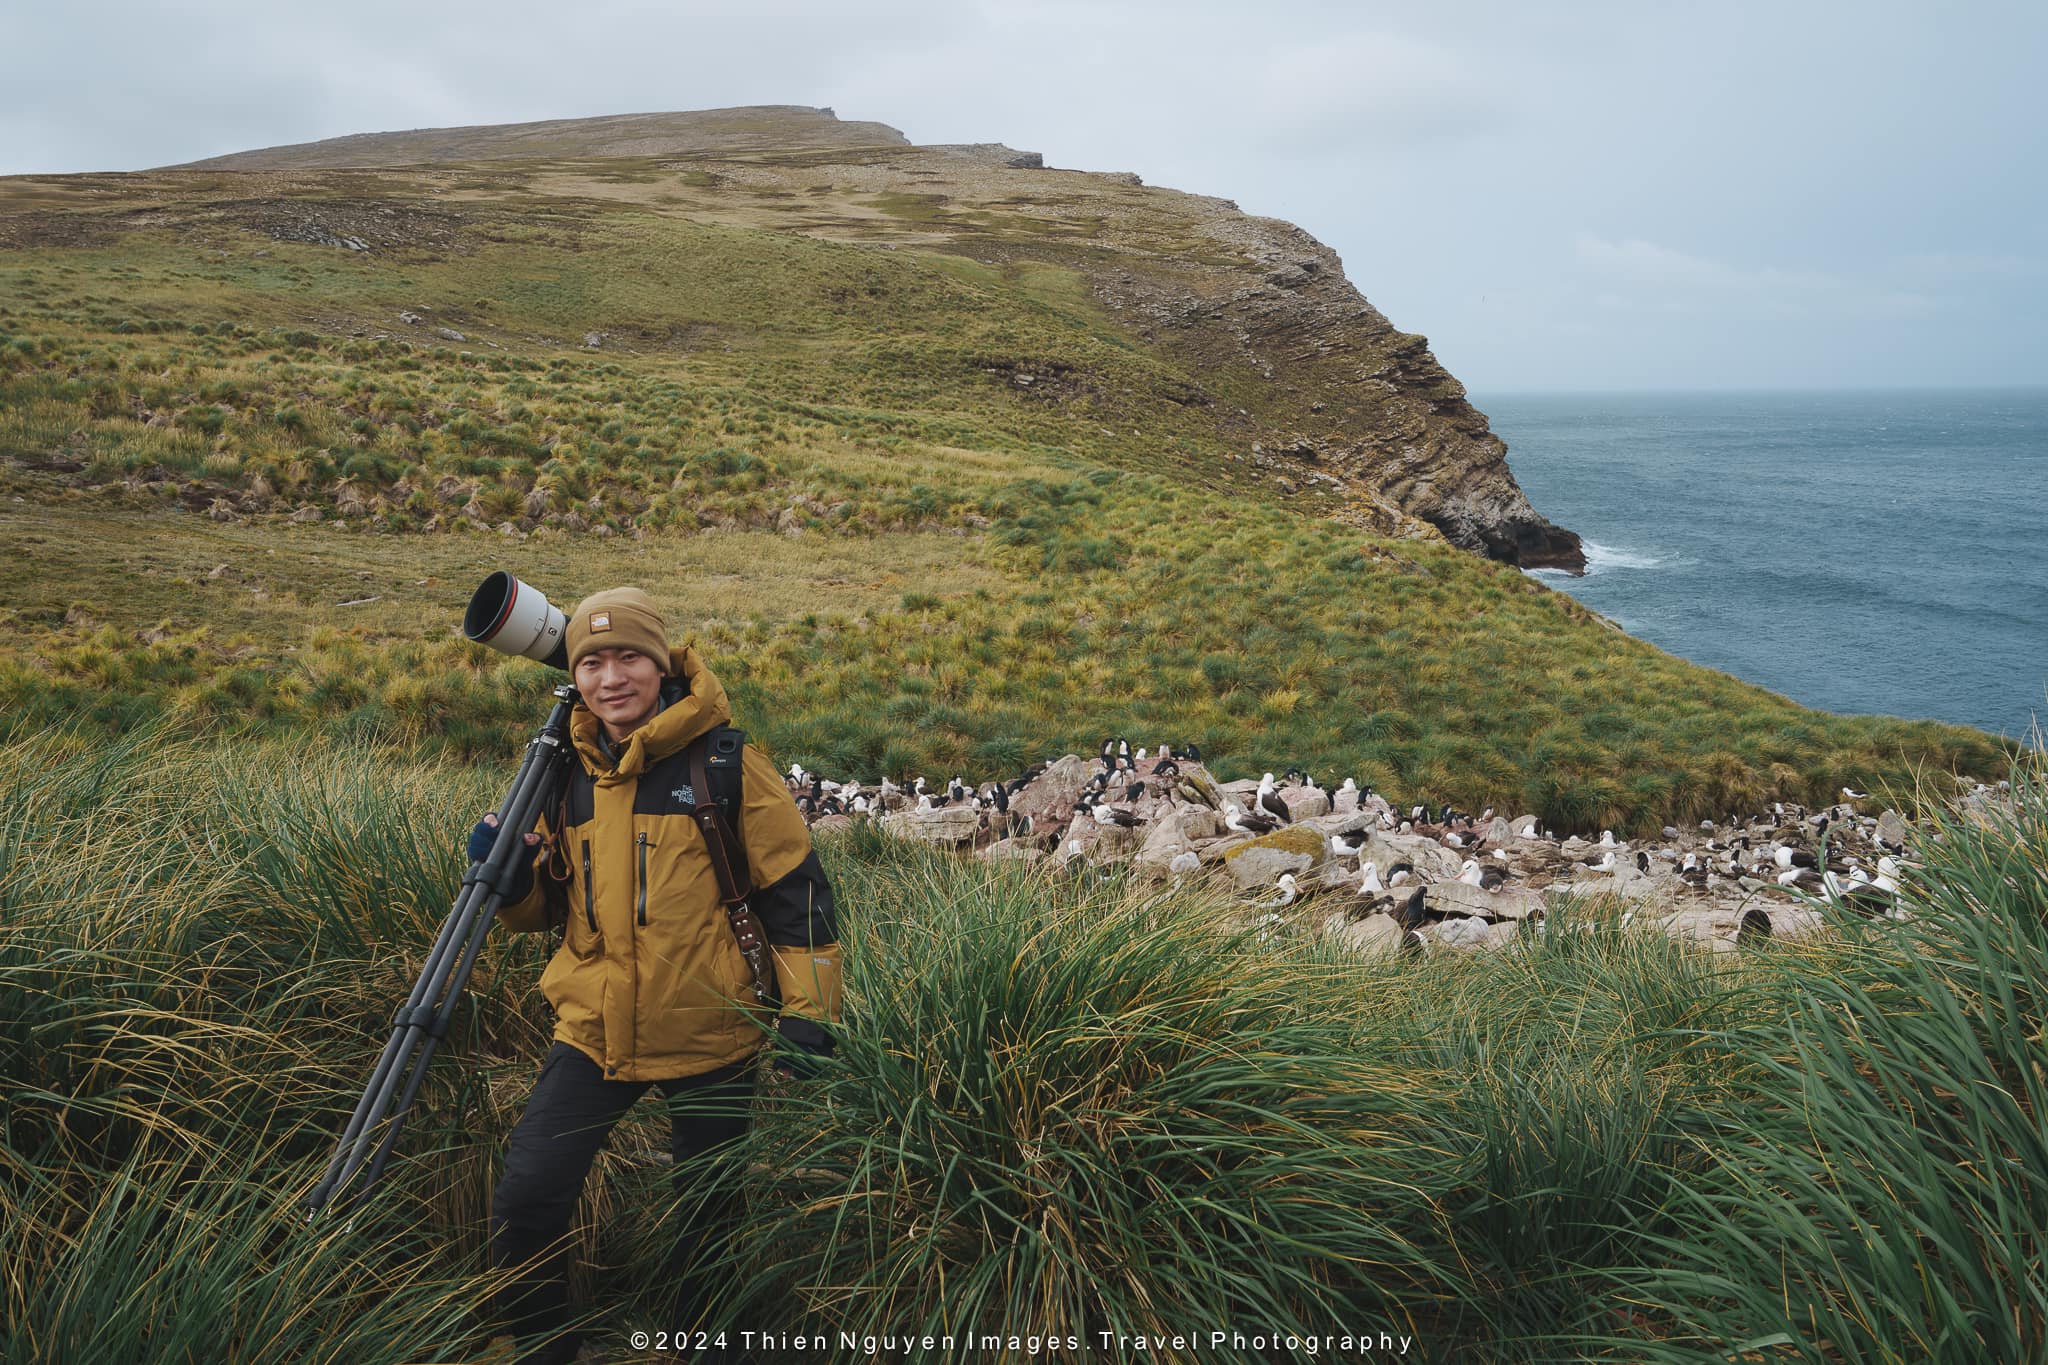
column 1600, row 557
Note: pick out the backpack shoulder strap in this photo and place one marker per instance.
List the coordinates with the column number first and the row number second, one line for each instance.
column 713, row 761
column 720, row 751
column 723, row 764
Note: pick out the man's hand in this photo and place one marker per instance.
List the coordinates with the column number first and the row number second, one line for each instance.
column 803, row 1043
column 480, row 840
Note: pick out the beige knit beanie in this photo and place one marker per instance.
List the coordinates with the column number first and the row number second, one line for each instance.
column 618, row 618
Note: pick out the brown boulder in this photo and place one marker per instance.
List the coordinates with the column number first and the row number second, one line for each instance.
column 947, row 825
column 1049, row 798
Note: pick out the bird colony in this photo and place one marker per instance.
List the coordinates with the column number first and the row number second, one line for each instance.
column 1376, row 878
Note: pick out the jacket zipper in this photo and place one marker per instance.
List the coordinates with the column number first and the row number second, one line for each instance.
column 641, row 840
column 589, row 892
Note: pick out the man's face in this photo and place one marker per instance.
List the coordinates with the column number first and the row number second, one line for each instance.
column 622, row 688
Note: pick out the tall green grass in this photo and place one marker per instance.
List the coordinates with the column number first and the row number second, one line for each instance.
column 1885, row 1197
column 188, row 979
column 1065, row 1105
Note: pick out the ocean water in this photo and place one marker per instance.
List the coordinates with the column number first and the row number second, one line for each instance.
column 1881, row 552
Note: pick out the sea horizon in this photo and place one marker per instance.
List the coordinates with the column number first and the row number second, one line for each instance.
column 1867, row 551
column 1758, row 391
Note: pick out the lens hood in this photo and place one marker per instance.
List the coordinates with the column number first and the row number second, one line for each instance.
column 516, row 618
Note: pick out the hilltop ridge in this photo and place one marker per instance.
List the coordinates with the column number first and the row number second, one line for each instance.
column 762, row 127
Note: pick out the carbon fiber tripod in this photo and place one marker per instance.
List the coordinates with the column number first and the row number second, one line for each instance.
column 424, row 1018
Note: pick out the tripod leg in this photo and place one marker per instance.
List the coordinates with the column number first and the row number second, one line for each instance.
column 424, row 1016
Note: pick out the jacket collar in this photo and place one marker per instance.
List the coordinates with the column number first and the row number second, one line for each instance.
column 703, row 706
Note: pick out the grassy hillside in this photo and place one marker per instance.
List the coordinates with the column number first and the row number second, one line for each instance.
column 938, row 479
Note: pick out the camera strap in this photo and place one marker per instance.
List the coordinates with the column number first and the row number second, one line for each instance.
column 729, row 862
column 554, row 865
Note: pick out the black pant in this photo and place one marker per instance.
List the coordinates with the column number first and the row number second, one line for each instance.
column 571, row 1111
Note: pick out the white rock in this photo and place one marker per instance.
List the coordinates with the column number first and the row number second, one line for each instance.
column 1336, row 876
column 1506, row 934
column 1303, row 803
column 1460, row 933
column 1049, row 798
column 1173, row 834
column 1260, row 868
column 1372, row 936
column 1510, row 902
column 1433, row 862
column 950, row 825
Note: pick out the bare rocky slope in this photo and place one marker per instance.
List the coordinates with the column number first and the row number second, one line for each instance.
column 769, row 127
column 1318, row 387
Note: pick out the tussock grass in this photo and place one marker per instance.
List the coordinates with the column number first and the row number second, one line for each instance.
column 230, row 806
column 1886, row 1195
column 867, row 674
column 1063, row 1106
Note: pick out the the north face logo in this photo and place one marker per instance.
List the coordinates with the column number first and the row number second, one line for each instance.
column 684, row 795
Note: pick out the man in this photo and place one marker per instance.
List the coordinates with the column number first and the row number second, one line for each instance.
column 650, row 986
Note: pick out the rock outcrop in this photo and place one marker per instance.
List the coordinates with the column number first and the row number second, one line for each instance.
column 1354, row 399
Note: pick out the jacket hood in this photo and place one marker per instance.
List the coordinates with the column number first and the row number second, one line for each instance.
column 701, row 708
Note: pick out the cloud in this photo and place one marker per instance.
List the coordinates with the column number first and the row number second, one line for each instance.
column 1382, row 84
column 1632, row 274
column 1175, row 94
column 1954, row 265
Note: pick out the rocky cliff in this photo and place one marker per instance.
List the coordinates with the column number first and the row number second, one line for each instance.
column 1346, row 394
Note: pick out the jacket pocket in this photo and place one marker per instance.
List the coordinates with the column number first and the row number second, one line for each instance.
column 582, row 936
column 640, row 880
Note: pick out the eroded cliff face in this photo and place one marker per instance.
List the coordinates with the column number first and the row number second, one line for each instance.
column 1342, row 392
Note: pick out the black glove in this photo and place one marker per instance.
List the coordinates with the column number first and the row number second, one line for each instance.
column 804, row 1042
column 480, row 840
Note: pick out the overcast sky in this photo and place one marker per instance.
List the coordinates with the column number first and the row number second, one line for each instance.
column 1576, row 196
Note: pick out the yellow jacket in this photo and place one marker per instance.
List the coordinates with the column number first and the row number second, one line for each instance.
column 648, row 982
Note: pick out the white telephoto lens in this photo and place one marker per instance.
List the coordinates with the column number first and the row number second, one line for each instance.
column 514, row 617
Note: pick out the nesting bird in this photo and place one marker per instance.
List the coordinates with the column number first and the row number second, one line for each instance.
column 1268, row 801
column 1238, row 822
column 1288, row 891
